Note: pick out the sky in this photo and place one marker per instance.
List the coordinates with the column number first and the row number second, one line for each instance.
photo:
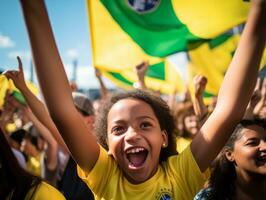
column 69, row 21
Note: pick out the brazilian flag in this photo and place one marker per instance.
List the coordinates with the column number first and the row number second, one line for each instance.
column 126, row 32
column 212, row 60
column 8, row 86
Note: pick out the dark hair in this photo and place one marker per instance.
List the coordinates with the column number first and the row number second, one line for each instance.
column 224, row 174
column 159, row 107
column 18, row 135
column 14, row 179
column 84, row 113
column 189, row 111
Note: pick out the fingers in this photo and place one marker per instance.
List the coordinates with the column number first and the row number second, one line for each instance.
column 97, row 72
column 20, row 66
column 200, row 80
column 10, row 74
column 139, row 66
column 142, row 66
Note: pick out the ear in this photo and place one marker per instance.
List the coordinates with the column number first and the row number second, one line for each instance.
column 165, row 139
column 230, row 155
column 90, row 119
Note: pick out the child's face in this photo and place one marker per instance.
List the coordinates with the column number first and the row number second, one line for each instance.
column 135, row 139
column 249, row 151
column 191, row 124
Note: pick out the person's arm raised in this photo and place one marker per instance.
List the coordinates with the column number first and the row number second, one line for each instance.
column 37, row 107
column 236, row 89
column 141, row 71
column 200, row 108
column 103, row 89
column 55, row 87
column 51, row 151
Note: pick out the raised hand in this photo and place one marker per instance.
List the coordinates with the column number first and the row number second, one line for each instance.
column 141, row 69
column 103, row 89
column 256, row 96
column 200, row 83
column 200, row 108
column 98, row 73
column 262, row 94
column 17, row 76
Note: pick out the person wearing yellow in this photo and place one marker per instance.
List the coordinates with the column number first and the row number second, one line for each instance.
column 16, row 183
column 136, row 128
column 43, row 192
column 107, row 181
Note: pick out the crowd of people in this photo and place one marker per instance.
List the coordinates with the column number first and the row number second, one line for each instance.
column 134, row 144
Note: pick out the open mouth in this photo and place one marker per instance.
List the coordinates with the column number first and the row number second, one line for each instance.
column 261, row 160
column 136, row 157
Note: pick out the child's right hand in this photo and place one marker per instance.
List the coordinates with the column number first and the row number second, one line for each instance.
column 17, row 76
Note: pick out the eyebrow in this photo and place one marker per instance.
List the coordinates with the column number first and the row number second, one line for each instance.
column 138, row 118
column 251, row 139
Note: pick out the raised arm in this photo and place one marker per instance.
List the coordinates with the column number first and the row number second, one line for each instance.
column 51, row 151
column 37, row 107
column 55, row 87
column 141, row 71
column 255, row 98
column 236, row 89
column 200, row 108
column 103, row 89
column 262, row 100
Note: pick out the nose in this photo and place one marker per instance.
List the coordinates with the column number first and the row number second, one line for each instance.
column 263, row 146
column 132, row 135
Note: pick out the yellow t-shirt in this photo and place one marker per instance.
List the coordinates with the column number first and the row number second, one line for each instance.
column 177, row 178
column 182, row 143
column 43, row 192
column 34, row 165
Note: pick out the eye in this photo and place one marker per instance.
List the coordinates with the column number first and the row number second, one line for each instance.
column 118, row 130
column 145, row 125
column 253, row 142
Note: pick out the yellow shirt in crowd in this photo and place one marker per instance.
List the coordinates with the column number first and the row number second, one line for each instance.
column 177, row 178
column 44, row 191
column 182, row 143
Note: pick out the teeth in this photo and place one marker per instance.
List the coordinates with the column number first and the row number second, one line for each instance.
column 135, row 150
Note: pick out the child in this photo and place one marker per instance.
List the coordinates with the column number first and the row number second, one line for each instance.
column 132, row 169
column 240, row 170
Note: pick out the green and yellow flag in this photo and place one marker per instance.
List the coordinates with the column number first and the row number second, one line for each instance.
column 8, row 86
column 212, row 60
column 127, row 32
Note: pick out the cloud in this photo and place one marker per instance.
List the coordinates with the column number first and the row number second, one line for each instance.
column 85, row 77
column 6, row 42
column 72, row 53
column 24, row 55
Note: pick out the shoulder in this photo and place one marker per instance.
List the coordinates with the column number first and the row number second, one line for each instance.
column 44, row 191
column 205, row 194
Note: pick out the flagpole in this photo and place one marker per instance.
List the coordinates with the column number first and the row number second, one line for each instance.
column 75, row 69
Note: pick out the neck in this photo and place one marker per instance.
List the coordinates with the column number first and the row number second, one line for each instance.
column 250, row 187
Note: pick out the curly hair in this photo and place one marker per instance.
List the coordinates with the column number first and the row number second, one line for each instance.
column 159, row 107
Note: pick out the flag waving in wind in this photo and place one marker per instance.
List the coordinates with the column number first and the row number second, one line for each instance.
column 127, row 32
